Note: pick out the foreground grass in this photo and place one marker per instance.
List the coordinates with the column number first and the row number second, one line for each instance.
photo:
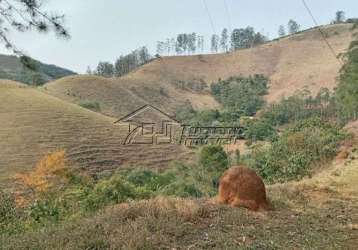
column 317, row 213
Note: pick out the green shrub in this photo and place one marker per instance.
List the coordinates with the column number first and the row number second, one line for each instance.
column 7, row 207
column 11, row 218
column 185, row 113
column 94, row 106
column 259, row 130
column 150, row 180
column 112, row 191
column 183, row 189
column 294, row 153
column 41, row 211
column 8, row 212
column 213, row 158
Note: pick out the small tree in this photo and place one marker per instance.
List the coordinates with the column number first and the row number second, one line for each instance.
column 105, row 69
column 89, row 71
column 340, row 17
column 293, row 26
column 281, row 31
column 215, row 43
column 213, row 158
column 224, row 40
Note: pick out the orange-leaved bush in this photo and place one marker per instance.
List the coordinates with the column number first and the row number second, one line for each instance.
column 50, row 174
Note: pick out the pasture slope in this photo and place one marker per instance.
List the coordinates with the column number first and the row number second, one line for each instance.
column 291, row 63
column 34, row 123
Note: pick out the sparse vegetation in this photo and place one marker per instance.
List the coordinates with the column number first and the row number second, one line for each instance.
column 94, row 106
column 294, row 154
column 347, row 89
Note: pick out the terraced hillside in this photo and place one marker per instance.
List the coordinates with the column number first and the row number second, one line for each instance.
column 118, row 97
column 33, row 124
column 291, row 63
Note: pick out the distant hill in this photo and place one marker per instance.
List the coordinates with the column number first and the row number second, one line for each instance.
column 12, row 68
column 291, row 63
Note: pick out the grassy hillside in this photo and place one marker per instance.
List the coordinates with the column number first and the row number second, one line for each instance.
column 11, row 68
column 291, row 63
column 118, row 97
column 33, row 124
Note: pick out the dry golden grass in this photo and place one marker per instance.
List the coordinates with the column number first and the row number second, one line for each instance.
column 291, row 63
column 11, row 84
column 33, row 124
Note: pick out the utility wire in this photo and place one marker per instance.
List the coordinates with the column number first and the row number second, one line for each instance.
column 321, row 31
column 228, row 15
column 210, row 17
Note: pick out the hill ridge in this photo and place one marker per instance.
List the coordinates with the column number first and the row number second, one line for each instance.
column 291, row 63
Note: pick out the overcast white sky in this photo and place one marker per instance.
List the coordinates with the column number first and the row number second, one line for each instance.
column 103, row 30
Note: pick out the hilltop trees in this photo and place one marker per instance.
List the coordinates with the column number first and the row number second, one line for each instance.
column 224, row 40
column 293, row 26
column 124, row 64
column 340, row 17
column 281, row 31
column 215, row 43
column 105, row 69
column 246, row 38
column 185, row 43
column 192, row 43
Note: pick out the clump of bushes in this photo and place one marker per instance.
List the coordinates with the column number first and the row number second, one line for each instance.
column 94, row 106
column 241, row 93
column 213, row 159
column 259, row 130
column 115, row 190
column 347, row 89
column 181, row 180
column 302, row 105
column 8, row 213
column 240, row 96
column 293, row 155
column 52, row 192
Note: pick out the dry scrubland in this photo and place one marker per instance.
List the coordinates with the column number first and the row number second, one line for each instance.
column 291, row 63
column 34, row 123
column 317, row 213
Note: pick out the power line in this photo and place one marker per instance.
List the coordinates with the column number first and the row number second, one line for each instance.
column 321, row 31
column 228, row 15
column 210, row 17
